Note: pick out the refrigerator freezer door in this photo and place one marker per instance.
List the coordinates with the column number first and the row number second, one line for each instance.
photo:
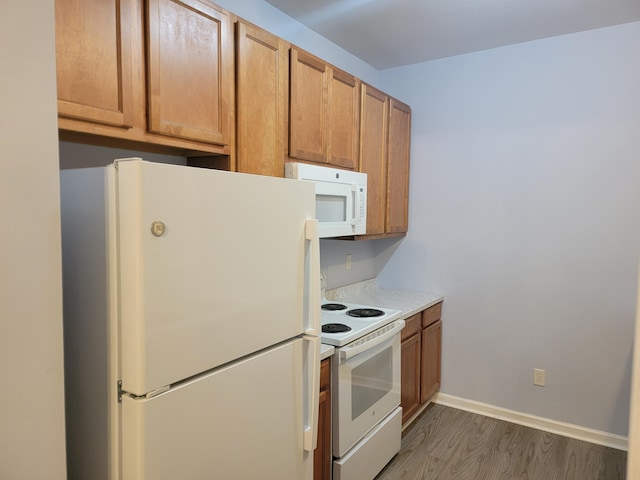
column 243, row 421
column 213, row 266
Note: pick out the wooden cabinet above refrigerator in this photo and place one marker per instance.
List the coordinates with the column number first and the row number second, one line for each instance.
column 158, row 72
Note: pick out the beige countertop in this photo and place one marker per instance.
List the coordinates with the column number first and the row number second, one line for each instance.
column 368, row 293
column 326, row 351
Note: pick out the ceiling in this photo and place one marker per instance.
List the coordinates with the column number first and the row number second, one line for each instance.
column 391, row 33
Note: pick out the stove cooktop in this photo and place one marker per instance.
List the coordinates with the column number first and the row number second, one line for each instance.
column 359, row 320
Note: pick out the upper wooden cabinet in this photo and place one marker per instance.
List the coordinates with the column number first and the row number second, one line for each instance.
column 343, row 119
column 308, row 107
column 157, row 72
column 385, row 136
column 94, row 64
column 324, row 112
column 373, row 155
column 262, row 70
column 397, row 215
column 190, row 61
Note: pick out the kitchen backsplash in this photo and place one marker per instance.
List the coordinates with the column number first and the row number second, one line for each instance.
column 368, row 257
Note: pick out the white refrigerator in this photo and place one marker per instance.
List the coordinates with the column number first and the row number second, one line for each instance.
column 191, row 321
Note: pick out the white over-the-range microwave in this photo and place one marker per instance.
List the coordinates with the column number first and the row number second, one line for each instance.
column 341, row 198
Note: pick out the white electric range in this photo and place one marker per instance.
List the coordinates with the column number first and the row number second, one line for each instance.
column 365, row 383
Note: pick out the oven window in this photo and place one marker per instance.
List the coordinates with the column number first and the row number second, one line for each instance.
column 370, row 381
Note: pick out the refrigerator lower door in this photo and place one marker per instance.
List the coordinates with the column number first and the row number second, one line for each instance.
column 243, row 421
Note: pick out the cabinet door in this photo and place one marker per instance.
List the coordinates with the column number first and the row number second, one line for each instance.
column 373, row 155
column 344, row 119
column 93, row 54
column 322, row 454
column 307, row 118
column 261, row 95
column 189, row 48
column 398, row 167
column 431, row 360
column 410, row 376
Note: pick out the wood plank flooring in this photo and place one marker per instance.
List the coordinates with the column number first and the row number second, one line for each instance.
column 445, row 443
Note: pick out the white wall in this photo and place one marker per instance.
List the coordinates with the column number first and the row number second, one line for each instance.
column 273, row 20
column 524, row 212
column 333, row 261
column 31, row 406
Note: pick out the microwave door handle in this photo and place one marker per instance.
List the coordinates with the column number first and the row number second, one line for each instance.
column 355, row 201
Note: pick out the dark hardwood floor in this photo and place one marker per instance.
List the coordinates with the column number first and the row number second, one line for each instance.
column 449, row 444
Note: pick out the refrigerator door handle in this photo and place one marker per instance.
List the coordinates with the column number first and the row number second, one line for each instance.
column 312, row 394
column 313, row 318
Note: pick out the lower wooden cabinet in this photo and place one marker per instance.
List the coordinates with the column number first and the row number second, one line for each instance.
column 322, row 456
column 431, row 360
column 411, row 361
column 421, row 352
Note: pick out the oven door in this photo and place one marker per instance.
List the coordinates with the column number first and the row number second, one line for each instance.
column 367, row 385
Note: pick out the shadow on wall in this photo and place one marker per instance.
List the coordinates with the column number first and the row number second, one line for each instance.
column 78, row 155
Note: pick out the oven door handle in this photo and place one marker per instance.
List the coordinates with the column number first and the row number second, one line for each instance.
column 371, row 340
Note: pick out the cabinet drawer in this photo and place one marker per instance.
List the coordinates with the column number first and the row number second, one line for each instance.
column 431, row 314
column 412, row 326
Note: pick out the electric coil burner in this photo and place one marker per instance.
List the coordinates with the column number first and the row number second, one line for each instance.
column 359, row 320
column 333, row 306
column 365, row 312
column 335, row 328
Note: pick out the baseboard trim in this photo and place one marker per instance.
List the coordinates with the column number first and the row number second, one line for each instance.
column 546, row 424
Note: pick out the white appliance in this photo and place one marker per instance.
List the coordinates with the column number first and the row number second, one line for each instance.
column 341, row 198
column 367, row 417
column 191, row 310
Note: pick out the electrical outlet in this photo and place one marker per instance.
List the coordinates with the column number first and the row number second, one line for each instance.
column 538, row 377
column 347, row 262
